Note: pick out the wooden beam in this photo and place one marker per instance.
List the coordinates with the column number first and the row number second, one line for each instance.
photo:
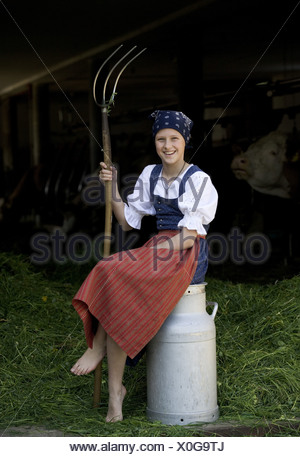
column 39, row 121
column 106, row 46
column 7, row 135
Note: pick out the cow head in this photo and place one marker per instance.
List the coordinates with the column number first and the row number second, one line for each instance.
column 262, row 165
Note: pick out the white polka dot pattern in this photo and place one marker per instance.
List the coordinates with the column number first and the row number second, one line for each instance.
column 174, row 120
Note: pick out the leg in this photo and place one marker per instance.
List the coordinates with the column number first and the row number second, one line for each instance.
column 116, row 358
column 92, row 357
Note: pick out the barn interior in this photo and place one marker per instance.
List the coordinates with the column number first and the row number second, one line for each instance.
column 233, row 67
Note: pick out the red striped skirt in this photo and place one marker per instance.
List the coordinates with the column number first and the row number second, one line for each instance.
column 131, row 293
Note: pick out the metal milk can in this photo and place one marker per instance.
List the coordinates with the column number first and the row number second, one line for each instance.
column 181, row 363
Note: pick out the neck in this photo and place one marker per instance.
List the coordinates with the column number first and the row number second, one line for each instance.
column 173, row 170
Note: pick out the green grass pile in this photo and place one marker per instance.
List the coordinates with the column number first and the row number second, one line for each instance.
column 258, row 348
column 42, row 336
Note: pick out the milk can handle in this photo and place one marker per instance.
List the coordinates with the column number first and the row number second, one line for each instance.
column 215, row 305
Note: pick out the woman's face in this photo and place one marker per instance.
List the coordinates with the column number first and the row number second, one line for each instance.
column 170, row 146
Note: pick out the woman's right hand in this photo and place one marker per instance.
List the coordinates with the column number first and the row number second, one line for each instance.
column 107, row 173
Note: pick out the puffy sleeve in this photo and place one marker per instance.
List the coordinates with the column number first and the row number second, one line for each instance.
column 198, row 203
column 139, row 202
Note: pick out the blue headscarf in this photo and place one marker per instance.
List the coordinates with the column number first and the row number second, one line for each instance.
column 172, row 120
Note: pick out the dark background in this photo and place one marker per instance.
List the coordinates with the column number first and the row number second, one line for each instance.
column 231, row 66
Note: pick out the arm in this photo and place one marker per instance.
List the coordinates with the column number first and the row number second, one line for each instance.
column 198, row 206
column 198, row 203
column 110, row 174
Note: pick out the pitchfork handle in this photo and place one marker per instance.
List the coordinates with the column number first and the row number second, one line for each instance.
column 108, row 185
column 107, row 230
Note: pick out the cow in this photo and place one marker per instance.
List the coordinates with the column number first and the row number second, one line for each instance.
column 270, row 166
column 267, row 168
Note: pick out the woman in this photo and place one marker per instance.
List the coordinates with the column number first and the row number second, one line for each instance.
column 126, row 297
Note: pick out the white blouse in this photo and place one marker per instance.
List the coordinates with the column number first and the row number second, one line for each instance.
column 198, row 203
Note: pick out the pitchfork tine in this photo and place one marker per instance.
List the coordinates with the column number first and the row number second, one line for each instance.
column 98, row 72
column 125, row 66
column 109, row 74
column 111, row 99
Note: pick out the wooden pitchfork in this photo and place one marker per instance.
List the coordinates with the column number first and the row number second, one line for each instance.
column 105, row 106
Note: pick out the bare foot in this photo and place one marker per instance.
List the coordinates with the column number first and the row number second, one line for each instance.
column 89, row 361
column 114, row 413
